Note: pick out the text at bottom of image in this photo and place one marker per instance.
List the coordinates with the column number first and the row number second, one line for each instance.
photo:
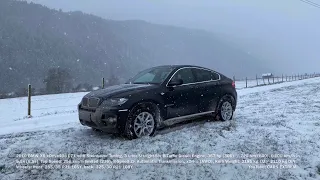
column 130, row 164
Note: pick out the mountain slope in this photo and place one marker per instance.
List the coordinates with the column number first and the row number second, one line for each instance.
column 34, row 38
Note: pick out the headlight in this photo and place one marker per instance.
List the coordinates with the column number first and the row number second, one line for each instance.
column 114, row 102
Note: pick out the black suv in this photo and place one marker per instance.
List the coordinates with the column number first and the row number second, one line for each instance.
column 157, row 97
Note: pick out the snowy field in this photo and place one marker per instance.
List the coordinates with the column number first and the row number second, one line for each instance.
column 281, row 119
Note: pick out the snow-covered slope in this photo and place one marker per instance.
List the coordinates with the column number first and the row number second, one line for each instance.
column 279, row 119
column 48, row 111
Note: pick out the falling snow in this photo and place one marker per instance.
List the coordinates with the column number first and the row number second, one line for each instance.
column 269, row 120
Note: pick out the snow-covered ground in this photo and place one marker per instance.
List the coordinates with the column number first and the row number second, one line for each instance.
column 48, row 111
column 281, row 119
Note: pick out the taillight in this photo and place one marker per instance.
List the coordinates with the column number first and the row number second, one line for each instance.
column 233, row 84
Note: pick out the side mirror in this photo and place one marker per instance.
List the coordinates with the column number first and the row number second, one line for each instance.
column 175, row 82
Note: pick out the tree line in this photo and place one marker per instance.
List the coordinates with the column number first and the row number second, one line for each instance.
column 59, row 80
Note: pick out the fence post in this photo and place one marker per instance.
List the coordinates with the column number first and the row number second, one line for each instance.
column 257, row 80
column 246, row 82
column 29, row 101
column 102, row 83
column 272, row 79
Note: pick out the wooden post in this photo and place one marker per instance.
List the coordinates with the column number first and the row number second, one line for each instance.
column 257, row 80
column 102, row 83
column 29, row 100
column 272, row 79
column 246, row 82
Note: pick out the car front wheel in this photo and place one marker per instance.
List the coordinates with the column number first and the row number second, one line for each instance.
column 141, row 122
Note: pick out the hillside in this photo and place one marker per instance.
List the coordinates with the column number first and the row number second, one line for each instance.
column 34, row 38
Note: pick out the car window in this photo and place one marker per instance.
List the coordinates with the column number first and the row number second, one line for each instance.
column 186, row 75
column 148, row 77
column 205, row 75
column 152, row 76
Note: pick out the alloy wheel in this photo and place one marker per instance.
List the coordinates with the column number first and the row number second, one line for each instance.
column 143, row 124
column 226, row 110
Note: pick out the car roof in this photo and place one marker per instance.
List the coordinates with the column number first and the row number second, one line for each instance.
column 180, row 66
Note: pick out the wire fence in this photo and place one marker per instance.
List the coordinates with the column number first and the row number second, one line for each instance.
column 269, row 80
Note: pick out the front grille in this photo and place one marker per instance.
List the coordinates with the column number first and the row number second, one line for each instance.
column 90, row 102
column 85, row 102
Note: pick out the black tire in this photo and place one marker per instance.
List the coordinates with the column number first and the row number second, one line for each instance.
column 96, row 130
column 225, row 99
column 129, row 131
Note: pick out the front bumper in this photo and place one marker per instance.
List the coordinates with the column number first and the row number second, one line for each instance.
column 105, row 119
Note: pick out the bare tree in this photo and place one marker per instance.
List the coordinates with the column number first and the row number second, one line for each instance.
column 58, row 80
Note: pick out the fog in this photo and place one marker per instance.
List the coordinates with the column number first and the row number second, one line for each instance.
column 283, row 33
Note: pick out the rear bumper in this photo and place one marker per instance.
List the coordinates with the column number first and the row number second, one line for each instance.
column 105, row 119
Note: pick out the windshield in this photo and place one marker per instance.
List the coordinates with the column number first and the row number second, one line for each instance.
column 152, row 76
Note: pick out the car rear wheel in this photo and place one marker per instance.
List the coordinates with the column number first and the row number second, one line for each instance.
column 226, row 110
column 141, row 122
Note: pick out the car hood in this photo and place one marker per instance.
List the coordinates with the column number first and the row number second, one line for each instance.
column 118, row 90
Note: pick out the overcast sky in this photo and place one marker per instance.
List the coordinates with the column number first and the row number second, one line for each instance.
column 284, row 32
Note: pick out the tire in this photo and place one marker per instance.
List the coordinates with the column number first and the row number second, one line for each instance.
column 225, row 108
column 143, row 114
column 96, row 130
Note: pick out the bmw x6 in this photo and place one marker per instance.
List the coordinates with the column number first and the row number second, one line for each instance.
column 158, row 97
